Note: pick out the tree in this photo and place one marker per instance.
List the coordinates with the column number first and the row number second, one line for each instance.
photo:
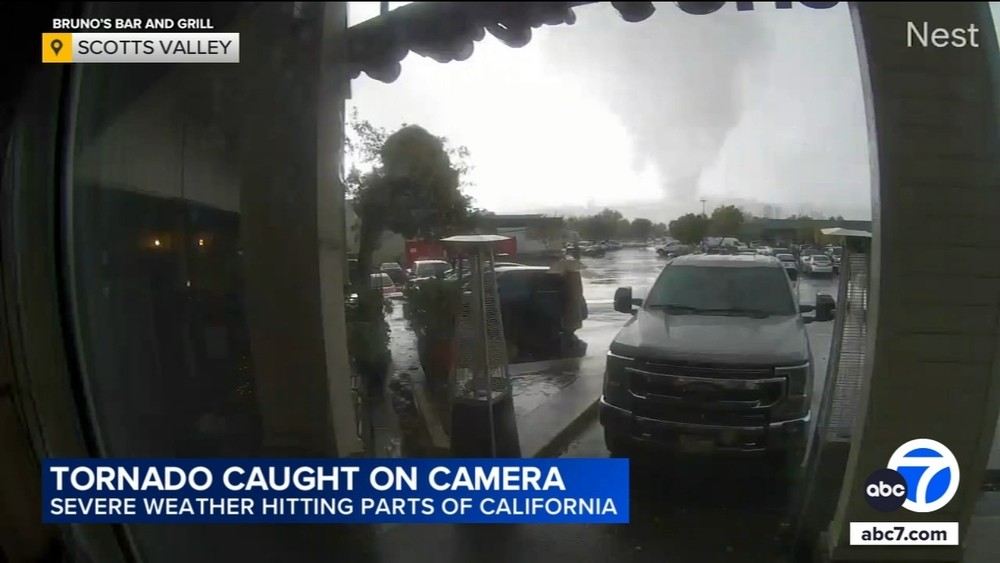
column 363, row 148
column 726, row 221
column 689, row 229
column 413, row 189
column 600, row 227
column 641, row 229
column 623, row 229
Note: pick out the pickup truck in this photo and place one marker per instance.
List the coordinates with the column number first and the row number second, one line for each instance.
column 714, row 360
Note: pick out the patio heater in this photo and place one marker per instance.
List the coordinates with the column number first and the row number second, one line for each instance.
column 830, row 442
column 482, row 401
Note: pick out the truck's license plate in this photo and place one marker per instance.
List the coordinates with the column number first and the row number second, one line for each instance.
column 695, row 444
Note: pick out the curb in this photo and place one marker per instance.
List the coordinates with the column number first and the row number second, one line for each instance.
column 558, row 444
column 554, row 447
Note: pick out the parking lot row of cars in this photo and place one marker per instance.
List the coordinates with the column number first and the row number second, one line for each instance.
column 799, row 260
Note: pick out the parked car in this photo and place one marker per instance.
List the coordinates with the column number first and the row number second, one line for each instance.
column 395, row 271
column 466, row 274
column 791, row 267
column 819, row 265
column 835, row 253
column 673, row 249
column 716, row 359
column 428, row 268
column 389, row 288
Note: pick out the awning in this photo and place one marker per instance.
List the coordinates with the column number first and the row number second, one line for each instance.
column 447, row 31
column 838, row 232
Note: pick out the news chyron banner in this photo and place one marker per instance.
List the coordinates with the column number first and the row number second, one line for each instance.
column 137, row 40
column 335, row 491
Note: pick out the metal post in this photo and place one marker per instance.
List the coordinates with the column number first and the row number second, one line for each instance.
column 486, row 355
column 481, row 360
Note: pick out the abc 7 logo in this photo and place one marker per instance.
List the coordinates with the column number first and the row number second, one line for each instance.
column 922, row 476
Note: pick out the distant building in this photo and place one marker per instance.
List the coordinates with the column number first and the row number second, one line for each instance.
column 769, row 212
column 788, row 230
column 538, row 236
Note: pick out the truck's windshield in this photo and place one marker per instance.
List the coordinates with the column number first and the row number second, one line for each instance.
column 720, row 290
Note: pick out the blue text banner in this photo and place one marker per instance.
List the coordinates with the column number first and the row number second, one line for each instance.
column 317, row 491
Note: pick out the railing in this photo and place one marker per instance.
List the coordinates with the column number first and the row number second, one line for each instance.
column 842, row 391
column 822, row 474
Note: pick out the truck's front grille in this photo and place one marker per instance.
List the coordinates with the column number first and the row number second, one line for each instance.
column 705, row 395
column 688, row 415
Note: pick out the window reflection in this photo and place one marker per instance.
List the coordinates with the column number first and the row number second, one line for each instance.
column 155, row 204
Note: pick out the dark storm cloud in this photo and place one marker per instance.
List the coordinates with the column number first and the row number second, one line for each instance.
column 676, row 80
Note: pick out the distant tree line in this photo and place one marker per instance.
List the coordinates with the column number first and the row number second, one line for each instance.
column 609, row 224
column 729, row 221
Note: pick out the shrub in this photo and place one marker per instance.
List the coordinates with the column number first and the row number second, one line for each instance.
column 433, row 306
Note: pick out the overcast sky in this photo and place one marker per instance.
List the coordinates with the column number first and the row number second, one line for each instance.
column 749, row 108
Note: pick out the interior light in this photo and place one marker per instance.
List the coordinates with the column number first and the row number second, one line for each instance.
column 156, row 242
column 189, row 283
column 201, row 242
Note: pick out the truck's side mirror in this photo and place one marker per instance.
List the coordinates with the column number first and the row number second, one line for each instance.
column 624, row 300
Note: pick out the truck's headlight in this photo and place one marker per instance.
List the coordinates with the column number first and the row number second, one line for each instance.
column 616, row 381
column 799, row 384
column 799, row 379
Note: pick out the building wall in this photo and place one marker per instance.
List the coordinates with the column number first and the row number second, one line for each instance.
column 153, row 147
column 932, row 351
column 392, row 248
column 203, row 252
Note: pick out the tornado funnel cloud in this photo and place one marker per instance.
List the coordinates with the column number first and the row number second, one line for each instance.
column 677, row 82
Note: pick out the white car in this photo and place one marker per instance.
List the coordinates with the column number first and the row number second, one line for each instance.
column 429, row 268
column 389, row 288
column 819, row 264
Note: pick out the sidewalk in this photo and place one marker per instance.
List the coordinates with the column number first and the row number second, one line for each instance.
column 553, row 400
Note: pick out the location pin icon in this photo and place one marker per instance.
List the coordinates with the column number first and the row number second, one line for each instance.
column 57, row 46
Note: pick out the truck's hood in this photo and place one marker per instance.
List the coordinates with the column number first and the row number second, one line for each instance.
column 656, row 335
